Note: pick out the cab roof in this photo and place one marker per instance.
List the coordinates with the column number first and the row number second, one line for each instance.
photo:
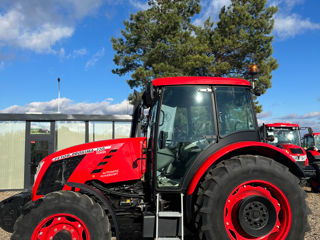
column 199, row 81
column 282, row 125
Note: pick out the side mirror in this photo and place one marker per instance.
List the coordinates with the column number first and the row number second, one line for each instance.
column 257, row 91
column 270, row 138
column 148, row 95
column 310, row 130
column 312, row 148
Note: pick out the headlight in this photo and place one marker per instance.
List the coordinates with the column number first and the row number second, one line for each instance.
column 300, row 158
column 303, row 158
column 38, row 170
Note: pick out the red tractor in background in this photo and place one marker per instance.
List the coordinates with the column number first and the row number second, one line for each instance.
column 201, row 171
column 311, row 143
column 287, row 137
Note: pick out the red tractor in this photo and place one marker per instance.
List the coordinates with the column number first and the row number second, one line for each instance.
column 311, row 142
column 287, row 137
column 200, row 172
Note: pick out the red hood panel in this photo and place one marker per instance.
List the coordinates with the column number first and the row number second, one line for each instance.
column 107, row 161
column 289, row 147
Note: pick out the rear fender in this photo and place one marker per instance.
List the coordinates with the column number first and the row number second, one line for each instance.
column 242, row 148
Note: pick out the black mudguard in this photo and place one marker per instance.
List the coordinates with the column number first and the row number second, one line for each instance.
column 11, row 209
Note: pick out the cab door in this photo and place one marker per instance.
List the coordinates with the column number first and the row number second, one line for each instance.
column 186, row 128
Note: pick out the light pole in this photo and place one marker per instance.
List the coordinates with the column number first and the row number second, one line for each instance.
column 59, row 95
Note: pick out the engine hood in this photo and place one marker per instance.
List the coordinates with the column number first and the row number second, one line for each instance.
column 107, row 161
column 292, row 149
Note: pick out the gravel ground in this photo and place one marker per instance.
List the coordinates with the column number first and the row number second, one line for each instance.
column 314, row 218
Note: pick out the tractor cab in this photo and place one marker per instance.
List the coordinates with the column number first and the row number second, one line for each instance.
column 311, row 141
column 190, row 116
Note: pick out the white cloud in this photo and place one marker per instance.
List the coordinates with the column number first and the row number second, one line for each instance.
column 74, row 54
column 95, row 58
column 67, row 106
column 311, row 119
column 264, row 114
column 139, row 5
column 304, row 116
column 287, row 23
column 80, row 52
column 38, row 25
column 292, row 25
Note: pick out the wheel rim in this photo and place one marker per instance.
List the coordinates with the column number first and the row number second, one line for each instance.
column 257, row 210
column 61, row 227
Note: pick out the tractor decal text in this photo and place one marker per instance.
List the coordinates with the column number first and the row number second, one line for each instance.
column 110, row 173
column 82, row 152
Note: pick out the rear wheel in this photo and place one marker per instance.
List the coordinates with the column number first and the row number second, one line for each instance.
column 63, row 215
column 250, row 197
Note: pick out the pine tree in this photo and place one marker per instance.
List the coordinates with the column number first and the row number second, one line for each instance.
column 161, row 42
column 243, row 37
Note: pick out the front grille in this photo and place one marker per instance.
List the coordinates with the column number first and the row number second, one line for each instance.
column 58, row 174
column 301, row 164
column 296, row 150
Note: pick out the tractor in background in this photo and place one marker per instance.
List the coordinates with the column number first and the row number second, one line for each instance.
column 311, row 143
column 286, row 136
column 200, row 171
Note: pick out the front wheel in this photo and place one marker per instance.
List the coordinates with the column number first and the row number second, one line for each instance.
column 315, row 180
column 250, row 197
column 63, row 215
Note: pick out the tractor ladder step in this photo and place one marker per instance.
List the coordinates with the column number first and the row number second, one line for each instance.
column 169, row 214
column 169, row 238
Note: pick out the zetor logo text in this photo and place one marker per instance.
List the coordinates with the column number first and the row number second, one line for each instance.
column 99, row 149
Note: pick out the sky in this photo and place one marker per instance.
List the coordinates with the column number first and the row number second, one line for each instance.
column 70, row 39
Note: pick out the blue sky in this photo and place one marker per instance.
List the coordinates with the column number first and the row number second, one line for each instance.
column 43, row 40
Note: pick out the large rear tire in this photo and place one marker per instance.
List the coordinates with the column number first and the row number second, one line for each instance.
column 63, row 215
column 250, row 197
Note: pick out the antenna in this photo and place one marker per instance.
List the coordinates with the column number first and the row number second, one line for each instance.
column 59, row 95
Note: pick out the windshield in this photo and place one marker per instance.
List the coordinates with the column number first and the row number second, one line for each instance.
column 235, row 110
column 284, row 135
column 317, row 141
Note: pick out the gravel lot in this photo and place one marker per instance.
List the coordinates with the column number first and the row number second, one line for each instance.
column 314, row 218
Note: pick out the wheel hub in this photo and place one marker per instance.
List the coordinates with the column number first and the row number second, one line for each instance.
column 257, row 210
column 61, row 227
column 63, row 235
column 257, row 215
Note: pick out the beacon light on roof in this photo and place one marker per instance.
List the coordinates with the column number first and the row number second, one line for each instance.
column 253, row 69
